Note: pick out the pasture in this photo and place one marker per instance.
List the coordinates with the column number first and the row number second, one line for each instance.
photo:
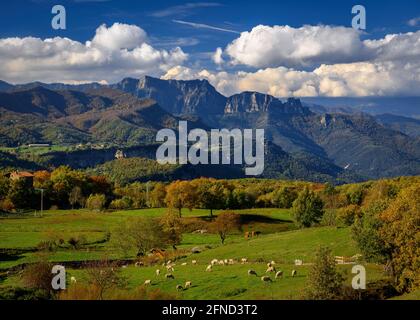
column 279, row 241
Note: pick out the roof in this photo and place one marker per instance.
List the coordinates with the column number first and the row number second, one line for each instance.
column 22, row 174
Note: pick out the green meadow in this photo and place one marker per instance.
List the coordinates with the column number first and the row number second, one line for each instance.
column 279, row 241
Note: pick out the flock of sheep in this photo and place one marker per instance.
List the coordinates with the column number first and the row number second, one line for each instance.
column 215, row 262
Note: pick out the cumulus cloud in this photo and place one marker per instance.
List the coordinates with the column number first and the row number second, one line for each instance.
column 311, row 46
column 114, row 53
column 266, row 46
column 217, row 56
column 352, row 79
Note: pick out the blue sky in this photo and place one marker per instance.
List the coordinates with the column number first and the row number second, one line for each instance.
column 26, row 17
column 198, row 28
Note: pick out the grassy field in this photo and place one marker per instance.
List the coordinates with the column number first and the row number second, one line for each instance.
column 279, row 241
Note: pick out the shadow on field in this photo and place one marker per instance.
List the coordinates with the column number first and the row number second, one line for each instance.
column 250, row 218
column 10, row 255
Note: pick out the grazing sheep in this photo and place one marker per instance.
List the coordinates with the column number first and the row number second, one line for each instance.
column 169, row 262
column 188, row 284
column 184, row 264
column 279, row 274
column 124, row 267
column 244, row 260
column 194, row 262
column 273, row 263
column 269, row 265
column 294, row 273
column 266, row 279
column 252, row 272
column 214, row 262
column 138, row 264
column 226, row 261
column 179, row 287
column 221, row 263
column 270, row 269
column 157, row 272
column 73, row 280
column 147, row 282
column 169, row 276
column 209, row 268
column 231, row 261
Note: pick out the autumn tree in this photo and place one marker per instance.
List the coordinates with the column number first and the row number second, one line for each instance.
column 324, row 282
column 401, row 234
column 181, row 194
column 308, row 208
column 157, row 195
column 21, row 194
column 172, row 228
column 76, row 197
column 225, row 223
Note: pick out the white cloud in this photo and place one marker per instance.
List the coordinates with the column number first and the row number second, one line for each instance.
column 114, row 53
column 414, row 22
column 266, row 46
column 339, row 80
column 217, row 56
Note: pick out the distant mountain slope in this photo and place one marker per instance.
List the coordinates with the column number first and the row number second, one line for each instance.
column 359, row 143
column 403, row 106
column 319, row 145
column 409, row 126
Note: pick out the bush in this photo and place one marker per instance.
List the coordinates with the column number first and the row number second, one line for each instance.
column 122, row 204
column 324, row 282
column 96, row 202
column 347, row 215
column 38, row 276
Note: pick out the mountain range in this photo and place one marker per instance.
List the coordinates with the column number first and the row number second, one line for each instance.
column 305, row 140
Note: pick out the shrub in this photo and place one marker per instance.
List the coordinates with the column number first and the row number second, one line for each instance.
column 324, row 282
column 96, row 202
column 38, row 276
column 347, row 215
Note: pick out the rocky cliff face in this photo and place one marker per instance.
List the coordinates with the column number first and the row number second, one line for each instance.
column 195, row 97
column 252, row 102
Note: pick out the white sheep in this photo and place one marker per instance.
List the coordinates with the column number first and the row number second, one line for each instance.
column 294, row 273
column 226, row 261
column 270, row 269
column 194, row 262
column 231, row 261
column 279, row 274
column 214, row 262
column 73, row 280
column 168, row 262
column 184, row 264
column 273, row 263
column 147, row 282
column 138, row 264
column 209, row 268
column 244, row 260
column 188, row 284
column 169, row 276
column 252, row 272
column 221, row 263
column 157, row 272
column 266, row 279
